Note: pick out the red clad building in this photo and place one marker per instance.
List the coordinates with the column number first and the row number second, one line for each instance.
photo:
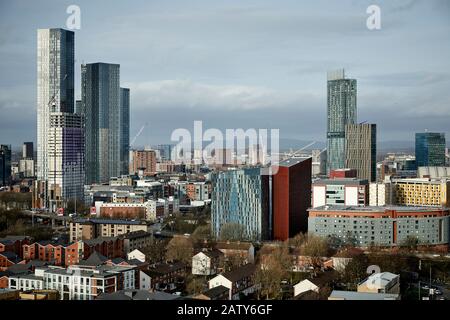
column 291, row 190
column 343, row 173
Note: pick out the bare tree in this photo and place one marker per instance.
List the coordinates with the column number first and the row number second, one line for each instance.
column 232, row 232
column 179, row 249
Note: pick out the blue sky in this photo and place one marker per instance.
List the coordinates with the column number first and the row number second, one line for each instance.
column 242, row 64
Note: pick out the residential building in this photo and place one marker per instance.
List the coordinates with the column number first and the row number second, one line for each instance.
column 319, row 162
column 137, row 240
column 85, row 229
column 430, row 149
column 434, row 172
column 241, row 198
column 291, row 192
column 136, row 255
column 244, row 251
column 361, row 150
column 106, row 109
column 143, row 160
column 141, row 211
column 340, row 192
column 380, row 194
column 206, row 262
column 305, row 286
column 388, row 226
column 341, row 110
column 163, row 276
column 421, row 192
column 240, row 281
column 216, row 293
column 26, row 168
column 165, row 152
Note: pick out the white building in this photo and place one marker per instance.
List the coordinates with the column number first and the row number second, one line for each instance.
column 26, row 166
column 136, row 254
column 379, row 194
column 384, row 282
column 305, row 286
column 344, row 192
column 206, row 263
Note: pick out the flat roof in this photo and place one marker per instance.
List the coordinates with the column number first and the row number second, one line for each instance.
column 292, row 161
column 353, row 295
column 377, row 209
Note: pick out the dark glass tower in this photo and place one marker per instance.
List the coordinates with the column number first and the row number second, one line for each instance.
column 430, row 149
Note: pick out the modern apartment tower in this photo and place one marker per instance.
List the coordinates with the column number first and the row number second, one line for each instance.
column 341, row 110
column 361, row 150
column 241, row 198
column 430, row 149
column 106, row 109
column 60, row 137
column 291, row 192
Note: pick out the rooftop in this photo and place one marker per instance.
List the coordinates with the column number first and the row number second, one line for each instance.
column 353, row 295
column 292, row 161
column 377, row 209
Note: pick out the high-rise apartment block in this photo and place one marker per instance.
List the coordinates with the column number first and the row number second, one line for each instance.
column 430, row 149
column 240, row 198
column 27, row 150
column 291, row 190
column 341, row 110
column 143, row 160
column 361, row 150
column 60, row 132
column 106, row 109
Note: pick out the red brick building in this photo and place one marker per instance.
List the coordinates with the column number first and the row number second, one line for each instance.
column 291, row 197
column 343, row 173
column 14, row 244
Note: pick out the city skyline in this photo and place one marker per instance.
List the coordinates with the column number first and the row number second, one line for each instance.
column 182, row 71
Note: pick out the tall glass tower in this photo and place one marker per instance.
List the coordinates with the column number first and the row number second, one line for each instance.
column 106, row 109
column 341, row 110
column 430, row 149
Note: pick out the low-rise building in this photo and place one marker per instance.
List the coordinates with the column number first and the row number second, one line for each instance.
column 137, row 240
column 240, row 281
column 353, row 295
column 163, row 276
column 206, row 262
column 384, row 282
column 85, row 229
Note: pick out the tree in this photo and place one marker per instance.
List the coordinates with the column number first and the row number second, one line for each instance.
column 201, row 233
column 179, row 249
column 315, row 247
column 232, row 232
column 298, row 240
column 355, row 271
column 156, row 251
column 410, row 243
column 275, row 265
column 195, row 284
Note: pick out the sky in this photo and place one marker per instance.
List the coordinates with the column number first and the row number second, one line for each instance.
column 241, row 64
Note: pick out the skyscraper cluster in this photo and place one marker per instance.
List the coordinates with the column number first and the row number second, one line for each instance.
column 83, row 142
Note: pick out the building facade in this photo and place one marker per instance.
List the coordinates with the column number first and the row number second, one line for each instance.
column 106, row 108
column 430, row 149
column 144, row 160
column 384, row 226
column 361, row 150
column 340, row 192
column 341, row 110
column 421, row 192
column 291, row 190
column 241, row 197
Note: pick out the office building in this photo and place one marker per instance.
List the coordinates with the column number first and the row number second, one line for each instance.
column 430, row 149
column 340, row 192
column 291, row 190
column 341, row 110
column 26, row 168
column 143, row 160
column 106, row 110
column 240, row 198
column 361, row 150
column 319, row 162
column 383, row 226
column 27, row 150
column 5, row 165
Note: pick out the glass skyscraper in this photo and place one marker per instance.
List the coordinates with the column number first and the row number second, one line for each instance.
column 241, row 197
column 60, row 136
column 341, row 110
column 430, row 149
column 106, row 110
